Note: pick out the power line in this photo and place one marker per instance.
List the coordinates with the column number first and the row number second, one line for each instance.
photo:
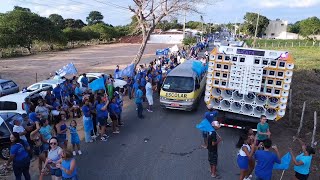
column 112, row 4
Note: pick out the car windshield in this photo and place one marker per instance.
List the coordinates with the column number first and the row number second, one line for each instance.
column 178, row 84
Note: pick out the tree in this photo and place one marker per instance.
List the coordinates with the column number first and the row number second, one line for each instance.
column 94, row 17
column 18, row 8
column 105, row 32
column 57, row 20
column 250, row 21
column 309, row 26
column 72, row 23
column 194, row 25
column 150, row 12
column 189, row 41
column 294, row 28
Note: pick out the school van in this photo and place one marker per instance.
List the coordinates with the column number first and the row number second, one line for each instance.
column 182, row 89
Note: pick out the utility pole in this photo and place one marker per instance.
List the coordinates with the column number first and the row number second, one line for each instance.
column 256, row 31
column 184, row 24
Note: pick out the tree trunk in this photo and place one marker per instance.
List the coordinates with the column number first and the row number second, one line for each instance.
column 143, row 45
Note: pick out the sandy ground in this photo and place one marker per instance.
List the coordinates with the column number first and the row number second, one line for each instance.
column 101, row 58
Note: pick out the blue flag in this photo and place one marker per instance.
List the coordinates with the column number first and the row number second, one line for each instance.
column 97, row 84
column 205, row 126
column 197, row 67
column 285, row 162
column 128, row 71
column 68, row 69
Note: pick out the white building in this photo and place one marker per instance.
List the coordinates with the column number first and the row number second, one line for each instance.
column 172, row 36
column 276, row 29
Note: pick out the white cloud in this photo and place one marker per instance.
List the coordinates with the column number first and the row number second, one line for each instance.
column 285, row 3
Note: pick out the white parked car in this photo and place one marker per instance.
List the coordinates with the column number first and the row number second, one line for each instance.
column 93, row 76
column 15, row 102
column 43, row 84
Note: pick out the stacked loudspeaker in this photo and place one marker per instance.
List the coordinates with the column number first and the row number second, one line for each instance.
column 251, row 82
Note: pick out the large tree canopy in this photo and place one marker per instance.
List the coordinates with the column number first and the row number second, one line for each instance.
column 57, row 20
column 251, row 21
column 94, row 17
column 310, row 26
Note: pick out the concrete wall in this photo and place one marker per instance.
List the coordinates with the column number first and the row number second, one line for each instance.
column 165, row 39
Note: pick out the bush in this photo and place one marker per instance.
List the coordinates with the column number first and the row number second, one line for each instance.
column 189, row 41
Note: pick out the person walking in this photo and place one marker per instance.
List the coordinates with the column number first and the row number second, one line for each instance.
column 61, row 129
column 302, row 162
column 265, row 161
column 149, row 94
column 138, row 101
column 19, row 156
column 114, row 115
column 213, row 142
column 87, row 122
column 246, row 151
column 75, row 140
column 211, row 116
column 263, row 131
column 68, row 166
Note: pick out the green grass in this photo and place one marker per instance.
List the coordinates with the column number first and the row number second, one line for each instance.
column 305, row 58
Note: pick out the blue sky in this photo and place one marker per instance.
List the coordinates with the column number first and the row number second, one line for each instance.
column 222, row 11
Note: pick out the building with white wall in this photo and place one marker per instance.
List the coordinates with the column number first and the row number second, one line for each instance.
column 276, row 29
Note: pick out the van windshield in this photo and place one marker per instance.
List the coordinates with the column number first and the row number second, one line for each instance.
column 178, row 84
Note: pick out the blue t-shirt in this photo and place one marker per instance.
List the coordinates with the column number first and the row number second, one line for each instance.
column 130, row 82
column 101, row 113
column 136, row 86
column 49, row 99
column 33, row 117
column 265, row 161
column 305, row 168
column 45, row 131
column 138, row 96
column 211, row 115
column 262, row 128
column 114, row 109
column 19, row 151
column 57, row 92
column 159, row 78
column 84, row 81
column 67, row 165
column 143, row 81
column 86, row 111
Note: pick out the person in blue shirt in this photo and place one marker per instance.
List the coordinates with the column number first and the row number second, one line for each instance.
column 20, row 157
column 78, row 92
column 49, row 98
column 265, row 160
column 87, row 121
column 129, row 86
column 68, row 166
column 302, row 162
column 120, row 104
column 138, row 101
column 117, row 73
column 115, row 111
column 135, row 86
column 57, row 91
column 102, row 116
column 211, row 116
column 84, row 80
column 159, row 81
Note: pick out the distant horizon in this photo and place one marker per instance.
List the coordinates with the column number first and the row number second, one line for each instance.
column 222, row 12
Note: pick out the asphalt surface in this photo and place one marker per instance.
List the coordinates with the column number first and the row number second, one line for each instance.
column 164, row 145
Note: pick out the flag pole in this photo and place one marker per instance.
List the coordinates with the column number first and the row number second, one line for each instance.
column 282, row 175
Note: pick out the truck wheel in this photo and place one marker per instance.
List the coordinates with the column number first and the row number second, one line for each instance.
column 5, row 152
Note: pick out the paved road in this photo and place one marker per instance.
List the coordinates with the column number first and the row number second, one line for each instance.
column 172, row 149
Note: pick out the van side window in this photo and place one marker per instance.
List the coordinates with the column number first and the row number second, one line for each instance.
column 7, row 105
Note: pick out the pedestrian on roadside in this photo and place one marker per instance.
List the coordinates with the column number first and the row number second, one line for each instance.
column 129, row 87
column 110, row 87
column 114, row 110
column 138, row 101
column 46, row 132
column 54, row 156
column 85, row 82
column 245, row 154
column 149, row 94
column 74, row 136
column 211, row 115
column 19, row 129
column 87, row 122
column 119, row 102
column 263, row 131
column 19, row 156
column 302, row 162
column 213, row 142
column 68, row 166
column 265, row 160
column 135, row 87
column 102, row 116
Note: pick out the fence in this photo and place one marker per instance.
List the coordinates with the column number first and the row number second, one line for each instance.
column 284, row 43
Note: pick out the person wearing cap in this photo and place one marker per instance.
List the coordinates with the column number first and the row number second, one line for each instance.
column 138, row 101
column 213, row 140
column 302, row 162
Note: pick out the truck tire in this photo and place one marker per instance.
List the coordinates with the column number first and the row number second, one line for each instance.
column 5, row 152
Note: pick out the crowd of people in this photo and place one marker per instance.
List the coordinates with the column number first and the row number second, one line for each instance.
column 255, row 151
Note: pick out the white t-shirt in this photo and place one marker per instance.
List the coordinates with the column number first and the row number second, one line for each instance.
column 19, row 129
column 149, row 90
